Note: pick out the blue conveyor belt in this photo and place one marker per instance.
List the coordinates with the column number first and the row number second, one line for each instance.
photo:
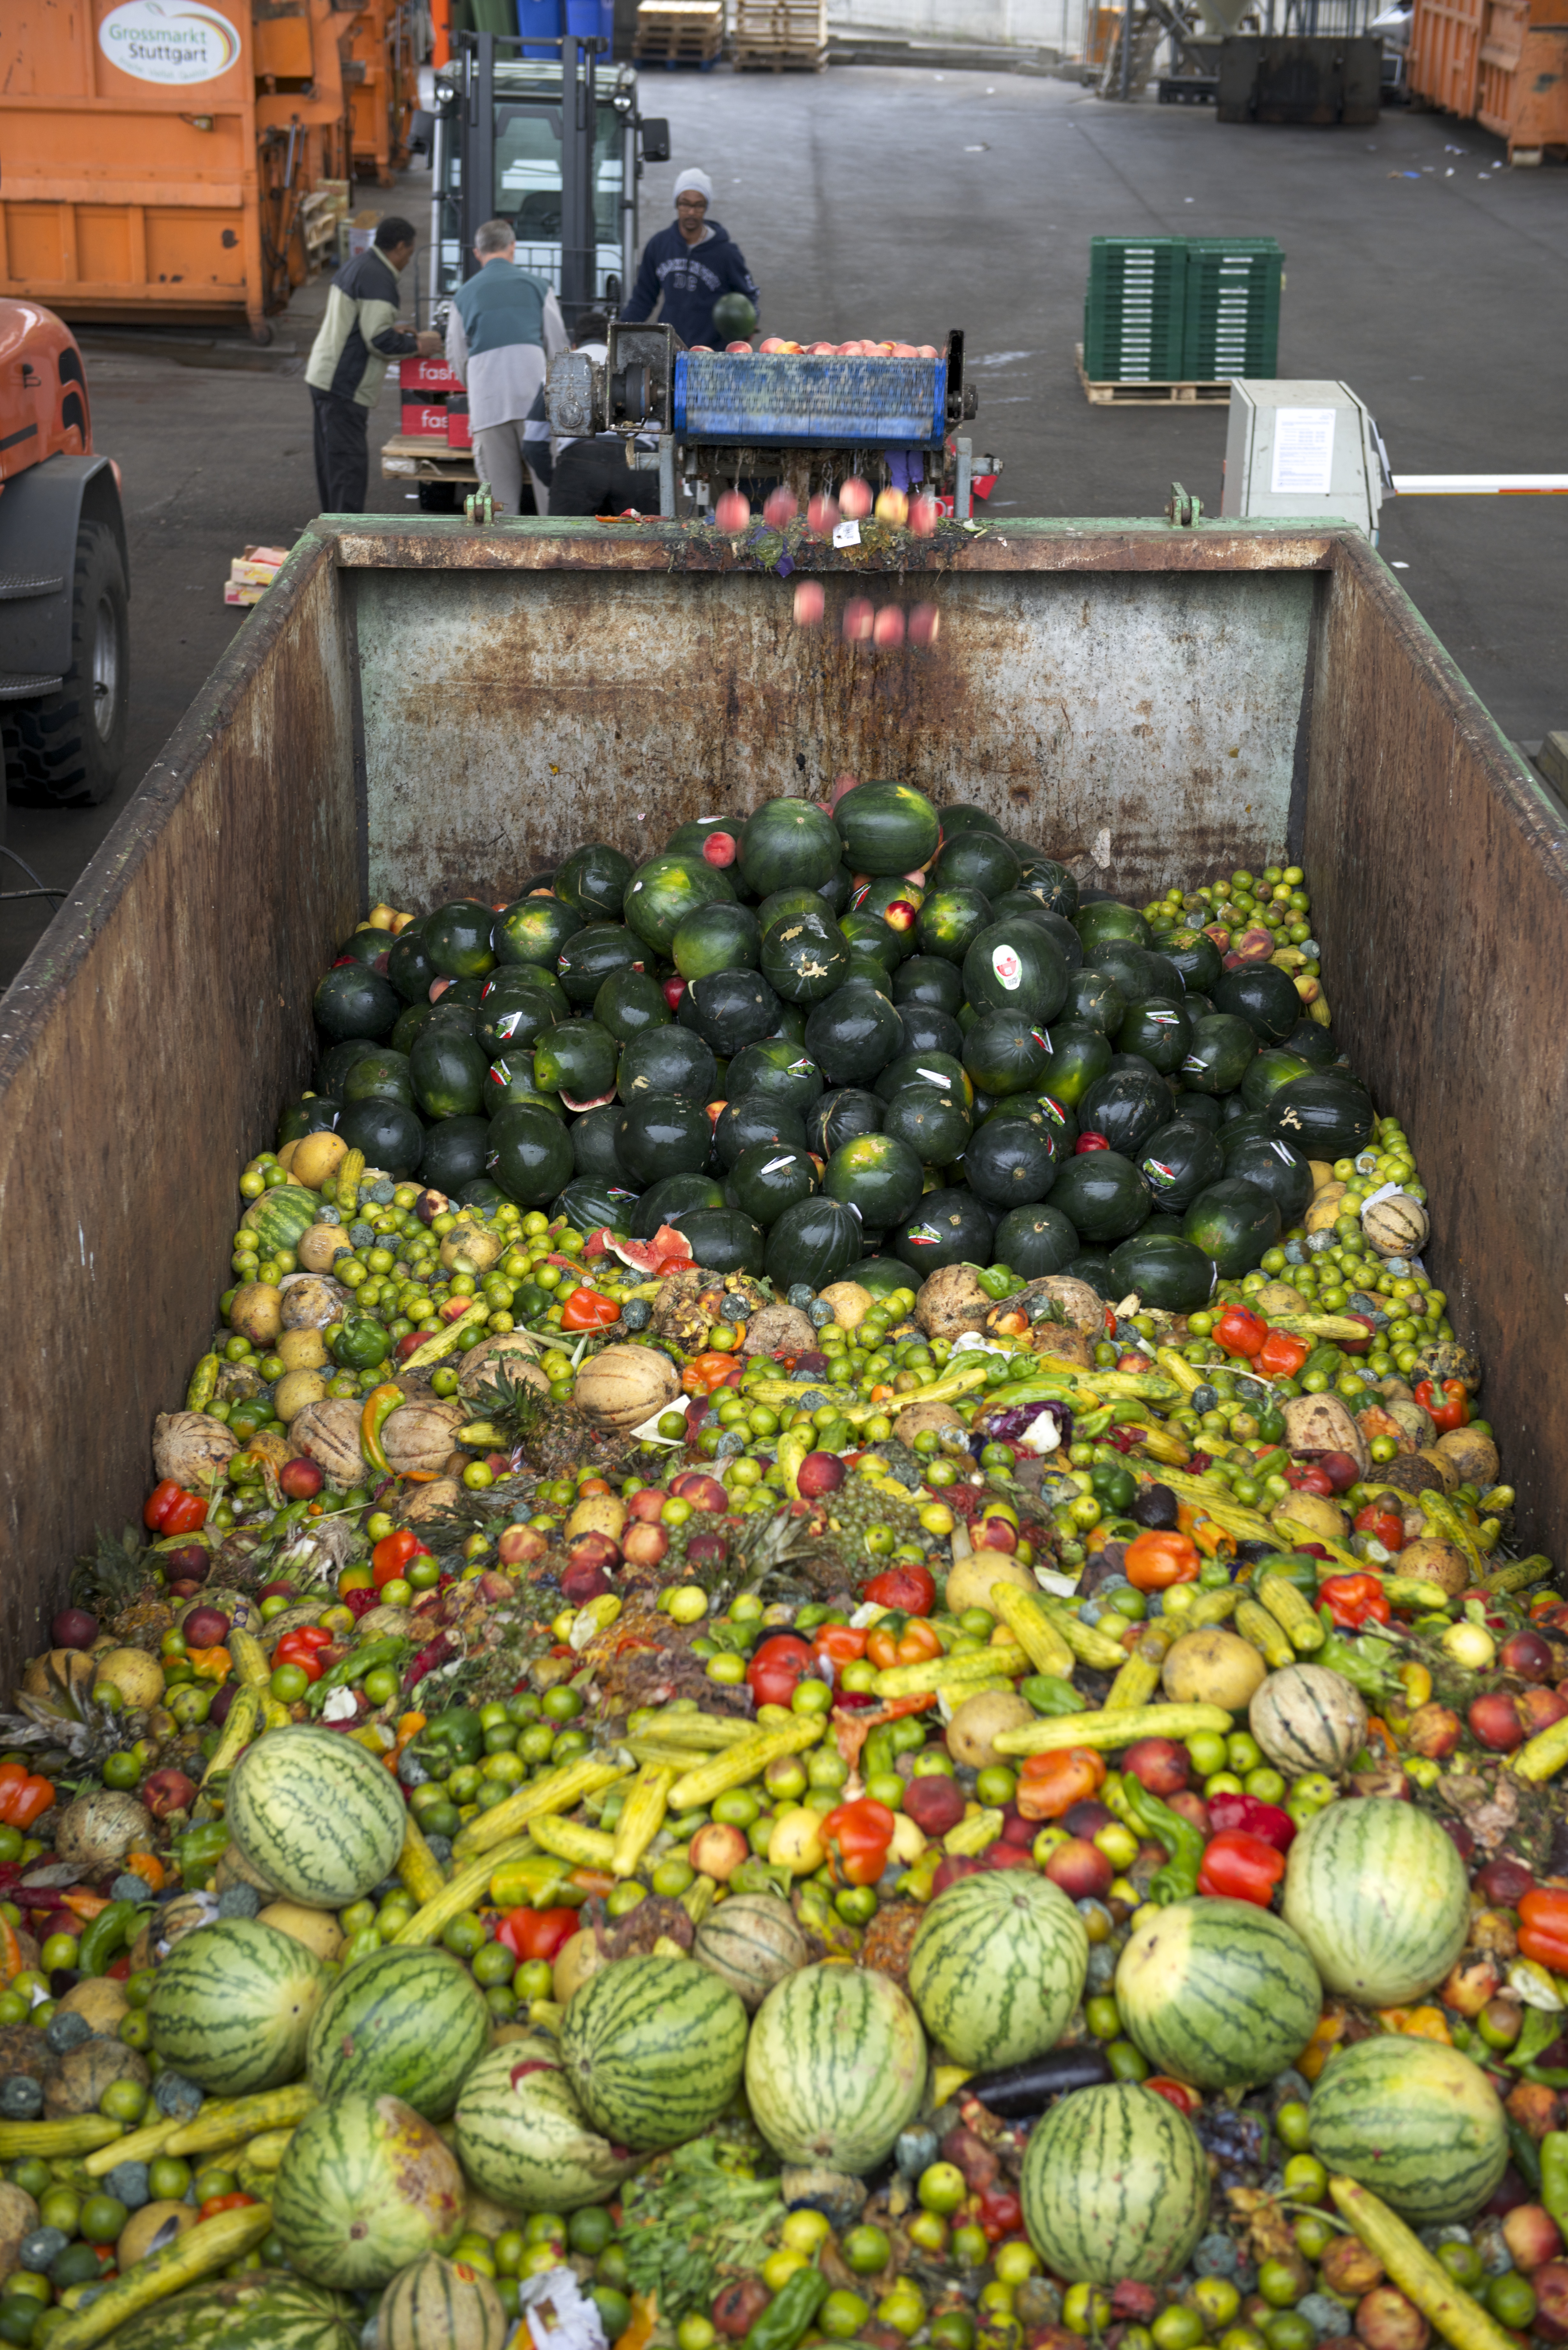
column 785, row 399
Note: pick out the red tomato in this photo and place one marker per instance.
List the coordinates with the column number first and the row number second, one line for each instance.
column 911, row 1589
column 537, row 1933
column 777, row 1667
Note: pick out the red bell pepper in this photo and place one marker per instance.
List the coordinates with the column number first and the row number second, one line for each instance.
column 23, row 1796
column 1280, row 1356
column 1449, row 1404
column 860, row 1836
column 842, row 1642
column 911, row 1589
column 392, row 1554
column 1384, row 1524
column 170, row 1510
column 537, row 1933
column 1238, row 1867
column 588, row 1309
column 777, row 1666
column 1001, row 2214
column 1307, row 1477
column 1254, row 1817
column 1241, row 1332
column 1353, row 1599
column 1543, row 1929
column 1175, row 2093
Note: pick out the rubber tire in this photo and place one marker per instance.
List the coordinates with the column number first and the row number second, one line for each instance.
column 55, row 754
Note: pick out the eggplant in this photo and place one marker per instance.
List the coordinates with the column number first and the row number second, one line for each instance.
column 1019, row 2092
column 1155, row 1505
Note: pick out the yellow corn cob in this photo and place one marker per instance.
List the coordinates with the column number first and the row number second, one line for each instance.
column 211, row 2245
column 746, row 1761
column 350, row 1175
column 1266, row 1634
column 141, row 2146
column 252, row 1667
column 237, row 2118
column 559, row 1791
column 1176, row 1367
column 245, row 1720
column 1032, row 1630
column 458, row 1894
column 1293, row 1613
column 1209, row 1607
column 952, row 1672
column 417, row 1867
column 685, row 1726
column 1135, row 1684
column 83, row 2133
column 444, row 1342
column 584, row 1847
column 1086, row 1641
column 1166, row 1445
column 1122, row 1729
column 641, row 1817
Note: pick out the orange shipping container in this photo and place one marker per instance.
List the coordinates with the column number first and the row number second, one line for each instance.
column 1500, row 63
column 157, row 155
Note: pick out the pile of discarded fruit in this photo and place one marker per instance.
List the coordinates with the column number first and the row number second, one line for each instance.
column 657, row 1771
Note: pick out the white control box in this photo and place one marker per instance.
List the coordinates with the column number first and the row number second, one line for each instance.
column 1302, row 449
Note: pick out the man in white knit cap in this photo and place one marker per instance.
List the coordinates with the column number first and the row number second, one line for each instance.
column 687, row 267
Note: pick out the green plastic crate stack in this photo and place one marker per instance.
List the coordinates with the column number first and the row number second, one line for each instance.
column 1231, row 308
column 1135, row 309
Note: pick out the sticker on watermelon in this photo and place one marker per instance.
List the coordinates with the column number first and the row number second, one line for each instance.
column 1009, row 969
column 1043, row 1040
column 1158, row 1171
column 922, row 1236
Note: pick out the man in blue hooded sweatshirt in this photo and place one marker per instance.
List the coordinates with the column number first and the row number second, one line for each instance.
column 689, row 266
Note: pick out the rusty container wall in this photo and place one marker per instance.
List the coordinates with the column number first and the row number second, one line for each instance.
column 421, row 709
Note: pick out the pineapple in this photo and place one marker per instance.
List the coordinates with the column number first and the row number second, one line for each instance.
column 114, row 1583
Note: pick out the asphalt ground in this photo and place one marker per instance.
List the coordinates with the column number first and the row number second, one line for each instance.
column 904, row 203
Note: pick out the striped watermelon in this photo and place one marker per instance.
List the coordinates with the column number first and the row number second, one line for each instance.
column 401, row 2024
column 1416, row 2122
column 998, row 1967
column 521, row 2136
column 437, row 2304
column 366, row 2186
column 836, row 2068
column 318, row 1815
column 653, row 2049
column 750, row 1942
column 1378, row 1894
column 264, row 2306
column 1220, row 1993
column 1308, row 1718
column 1114, row 2186
column 232, row 2005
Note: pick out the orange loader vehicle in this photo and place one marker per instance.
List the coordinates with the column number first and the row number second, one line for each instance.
column 65, row 640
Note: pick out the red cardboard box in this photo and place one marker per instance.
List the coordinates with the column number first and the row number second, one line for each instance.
column 426, row 376
column 425, row 421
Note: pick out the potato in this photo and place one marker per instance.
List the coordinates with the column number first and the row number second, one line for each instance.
column 302, row 1350
column 1214, row 1667
column 1322, row 1423
column 139, row 2230
column 908, row 1424
column 968, row 1585
column 257, row 1313
column 951, row 1302
column 974, row 1728
column 1473, row 1455
column 295, row 1390
column 19, row 2218
column 314, row 1930
column 1447, row 1467
column 1431, row 1561
column 101, row 2002
column 316, row 1156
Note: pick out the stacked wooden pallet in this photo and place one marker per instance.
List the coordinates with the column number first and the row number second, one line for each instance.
column 321, row 217
column 777, row 34
column 673, row 33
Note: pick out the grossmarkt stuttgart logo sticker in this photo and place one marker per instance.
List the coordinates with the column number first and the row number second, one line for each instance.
column 169, row 41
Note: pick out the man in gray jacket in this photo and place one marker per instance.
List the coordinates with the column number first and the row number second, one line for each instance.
column 348, row 363
column 503, row 329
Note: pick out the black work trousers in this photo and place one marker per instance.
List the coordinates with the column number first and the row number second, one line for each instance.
column 342, row 452
column 592, row 477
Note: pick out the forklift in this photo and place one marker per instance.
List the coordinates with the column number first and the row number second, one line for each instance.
column 544, row 133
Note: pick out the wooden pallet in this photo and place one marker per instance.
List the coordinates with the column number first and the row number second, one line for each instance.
column 1155, row 393
column 679, row 32
column 779, row 36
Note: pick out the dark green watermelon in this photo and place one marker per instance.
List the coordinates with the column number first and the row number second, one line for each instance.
column 662, row 1134
column 1005, row 1053
column 1312, row 1043
column 369, row 947
column 457, row 938
column 592, row 881
column 630, row 1001
column 514, row 1012
column 312, row 1114
column 1056, row 889
column 1035, row 1242
column 852, row 1035
column 483, row 1194
column 1126, row 1106
column 530, row 1155
column 723, row 1240
column 816, row 1242
column 448, row 1070
column 1166, row 1272
column 1179, row 1161
column 1200, row 1110
column 1326, row 1116
column 784, row 1071
column 1278, row 1170
column 672, row 1196
column 409, row 967
column 454, row 1153
column 717, row 938
column 577, row 1060
column 841, row 1117
column 1018, row 967
column 511, row 1079
column 892, row 899
column 923, row 1029
column 590, row 956
column 935, row 1125
column 967, row 816
column 1262, row 996
column 593, row 1145
column 950, row 1227
column 662, row 893
column 1009, row 1162
column 1233, row 1223
column 388, row 1132
column 973, row 860
column 882, row 1276
column 1096, row 998
column 865, row 967
column 352, row 1002
column 1218, row 1055
column 879, row 1176
column 588, row 1204
column 1158, row 1029
column 383, row 1076
column 410, row 1021
column 534, row 930
column 1093, row 1268
column 886, row 828
column 1080, row 1055
column 868, row 934
column 1273, row 1068
column 1104, row 920
column 666, row 1061
column 768, row 1178
column 754, row 1118
column 945, row 1071
column 949, row 921
column 780, row 902
column 805, row 956
column 730, row 1010
column 1103, row 1195
column 930, row 979
column 788, row 844
column 1195, row 956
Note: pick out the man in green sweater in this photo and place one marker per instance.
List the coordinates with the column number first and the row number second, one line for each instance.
column 348, row 359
